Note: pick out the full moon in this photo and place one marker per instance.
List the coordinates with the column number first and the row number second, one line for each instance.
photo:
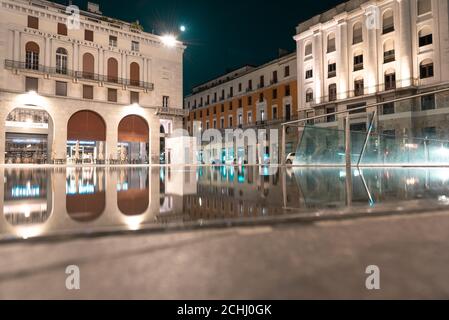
column 182, row 28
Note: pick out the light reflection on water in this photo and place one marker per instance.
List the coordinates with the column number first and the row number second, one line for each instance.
column 39, row 202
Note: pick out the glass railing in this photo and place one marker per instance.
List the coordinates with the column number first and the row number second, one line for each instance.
column 326, row 147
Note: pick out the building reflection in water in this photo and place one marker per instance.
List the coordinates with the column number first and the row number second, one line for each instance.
column 138, row 197
column 133, row 194
column 27, row 196
column 85, row 193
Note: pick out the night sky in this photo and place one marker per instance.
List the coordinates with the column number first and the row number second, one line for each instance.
column 221, row 34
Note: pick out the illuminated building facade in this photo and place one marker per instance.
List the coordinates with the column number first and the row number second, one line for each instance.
column 102, row 91
column 363, row 52
column 247, row 98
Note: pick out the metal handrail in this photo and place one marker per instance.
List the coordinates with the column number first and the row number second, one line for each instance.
column 377, row 104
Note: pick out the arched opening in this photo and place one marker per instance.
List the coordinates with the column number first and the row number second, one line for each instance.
column 331, row 43
column 388, row 22
column 308, row 49
column 27, row 196
column 135, row 74
column 425, row 36
column 133, row 191
column 133, row 140
column 32, row 55
column 29, row 136
column 85, row 193
column 426, row 69
column 88, row 66
column 86, row 134
column 112, row 70
column 61, row 61
column 357, row 33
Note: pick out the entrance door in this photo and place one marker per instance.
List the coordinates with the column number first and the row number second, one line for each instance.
column 26, row 148
column 287, row 112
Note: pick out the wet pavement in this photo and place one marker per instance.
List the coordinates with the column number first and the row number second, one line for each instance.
column 224, row 232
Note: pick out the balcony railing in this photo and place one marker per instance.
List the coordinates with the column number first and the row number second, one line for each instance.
column 58, row 71
column 172, row 112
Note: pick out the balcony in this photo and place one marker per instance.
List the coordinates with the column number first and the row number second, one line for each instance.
column 64, row 72
column 163, row 111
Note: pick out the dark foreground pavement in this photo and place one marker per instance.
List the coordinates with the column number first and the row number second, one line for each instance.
column 316, row 260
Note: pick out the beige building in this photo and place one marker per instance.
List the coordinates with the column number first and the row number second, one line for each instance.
column 82, row 87
column 364, row 52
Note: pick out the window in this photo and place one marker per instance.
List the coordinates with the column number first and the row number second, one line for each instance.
column 357, row 33
column 389, row 52
column 332, row 92
column 165, row 101
column 135, row 46
column 133, row 97
column 240, row 103
column 428, row 102
column 261, row 97
column 222, row 125
column 222, row 95
column 230, row 124
column 31, row 84
column 425, row 37
column 207, row 124
column 33, row 22
column 286, row 71
column 390, row 80
column 222, row 108
column 388, row 108
column 358, row 62
column 134, row 72
column 240, row 87
column 388, row 22
column 359, row 87
column 287, row 91
column 275, row 77
column 310, row 114
column 331, row 70
column 309, row 95
column 61, row 88
column 113, row 41
column 262, row 115
column 330, row 118
column 424, row 6
column 230, row 106
column 112, row 95
column 88, row 66
column 275, row 113
column 331, row 43
column 357, row 106
column 88, row 35
column 88, row 92
column 275, row 93
column 308, row 49
column 250, row 100
column 426, row 69
column 250, row 85
column 61, row 61
column 215, row 123
column 32, row 56
column 250, row 117
column 240, row 120
column 231, row 92
column 62, row 29
column 309, row 74
column 262, row 82
column 429, row 132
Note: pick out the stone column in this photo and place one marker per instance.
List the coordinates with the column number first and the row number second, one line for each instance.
column 101, row 62
column 154, row 125
column 124, row 66
column 405, row 43
column 10, row 45
column 16, row 45
column 76, row 49
column 318, row 65
column 145, row 70
column 47, row 57
column 370, row 52
column 111, row 151
column 342, row 59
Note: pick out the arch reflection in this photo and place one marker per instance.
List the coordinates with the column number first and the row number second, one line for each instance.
column 27, row 197
column 133, row 196
column 85, row 193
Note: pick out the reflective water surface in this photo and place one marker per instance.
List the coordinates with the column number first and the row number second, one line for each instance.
column 89, row 200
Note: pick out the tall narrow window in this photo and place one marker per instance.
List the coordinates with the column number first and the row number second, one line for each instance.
column 88, row 66
column 331, row 69
column 275, row 77
column 358, row 61
column 331, row 43
column 62, row 29
column 388, row 22
column 425, row 37
column 113, row 41
column 135, row 46
column 332, row 92
column 112, row 70
column 165, row 101
column 309, row 95
column 426, row 69
column 357, row 33
column 308, row 49
column 61, row 61
column 389, row 52
column 359, row 87
column 287, row 71
column 390, row 80
column 32, row 56
column 135, row 74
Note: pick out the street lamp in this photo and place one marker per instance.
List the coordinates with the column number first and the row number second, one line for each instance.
column 169, row 40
